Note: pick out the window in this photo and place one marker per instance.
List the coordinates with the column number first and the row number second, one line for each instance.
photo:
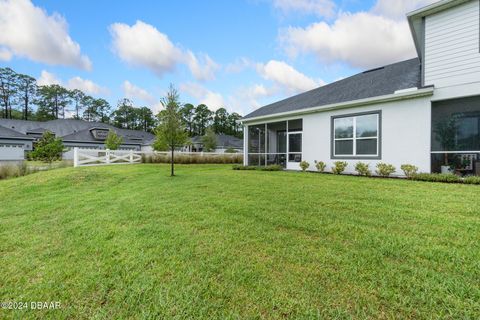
column 356, row 135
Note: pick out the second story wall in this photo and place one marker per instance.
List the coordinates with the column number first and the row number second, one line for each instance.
column 452, row 46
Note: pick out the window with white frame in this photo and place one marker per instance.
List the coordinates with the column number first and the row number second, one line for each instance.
column 356, row 135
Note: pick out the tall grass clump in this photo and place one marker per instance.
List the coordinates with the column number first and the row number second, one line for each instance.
column 230, row 158
column 14, row 170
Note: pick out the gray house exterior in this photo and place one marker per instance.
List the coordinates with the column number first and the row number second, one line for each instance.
column 74, row 133
column 423, row 111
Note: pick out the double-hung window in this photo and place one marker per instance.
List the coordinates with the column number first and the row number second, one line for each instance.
column 356, row 135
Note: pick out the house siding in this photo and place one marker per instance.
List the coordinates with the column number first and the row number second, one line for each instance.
column 452, row 46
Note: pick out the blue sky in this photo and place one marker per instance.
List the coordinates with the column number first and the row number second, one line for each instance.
column 238, row 54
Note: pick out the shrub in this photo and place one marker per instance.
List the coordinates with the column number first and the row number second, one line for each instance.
column 409, row 170
column 304, row 165
column 437, row 177
column 472, row 180
column 385, row 169
column 48, row 148
column 113, row 141
column 13, row 170
column 320, row 165
column 339, row 167
column 274, row 167
column 363, row 169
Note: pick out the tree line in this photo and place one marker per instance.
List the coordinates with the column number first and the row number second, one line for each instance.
column 22, row 98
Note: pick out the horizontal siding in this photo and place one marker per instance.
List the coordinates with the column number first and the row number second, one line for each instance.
column 452, row 46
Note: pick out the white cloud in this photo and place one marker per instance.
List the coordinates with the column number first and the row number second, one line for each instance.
column 286, row 76
column 395, row 9
column 28, row 31
column 323, row 8
column 134, row 92
column 361, row 40
column 87, row 86
column 143, row 45
column 201, row 70
column 213, row 100
column 131, row 91
column 239, row 65
column 47, row 78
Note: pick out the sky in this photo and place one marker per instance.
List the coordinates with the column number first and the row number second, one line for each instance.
column 236, row 54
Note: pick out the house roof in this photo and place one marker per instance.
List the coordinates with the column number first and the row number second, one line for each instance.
column 75, row 130
column 12, row 134
column 223, row 140
column 368, row 84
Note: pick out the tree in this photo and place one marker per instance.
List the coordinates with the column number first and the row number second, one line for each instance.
column 235, row 129
column 124, row 116
column 203, row 117
column 170, row 132
column 113, row 141
column 209, row 140
column 48, row 148
column 101, row 109
column 52, row 100
column 145, row 119
column 220, row 121
column 26, row 91
column 8, row 88
column 88, row 105
column 188, row 114
column 77, row 96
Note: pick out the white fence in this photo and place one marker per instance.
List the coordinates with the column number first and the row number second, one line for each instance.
column 95, row 157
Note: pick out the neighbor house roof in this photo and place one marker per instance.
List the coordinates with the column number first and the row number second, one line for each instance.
column 223, row 140
column 75, row 130
column 12, row 134
column 372, row 83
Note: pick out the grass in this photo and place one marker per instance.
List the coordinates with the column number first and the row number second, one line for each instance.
column 213, row 243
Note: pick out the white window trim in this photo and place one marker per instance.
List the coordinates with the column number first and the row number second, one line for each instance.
column 354, row 138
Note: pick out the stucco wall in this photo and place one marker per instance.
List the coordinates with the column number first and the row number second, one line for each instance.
column 405, row 135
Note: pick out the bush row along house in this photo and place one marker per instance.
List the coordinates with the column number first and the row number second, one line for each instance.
column 18, row 136
column 424, row 111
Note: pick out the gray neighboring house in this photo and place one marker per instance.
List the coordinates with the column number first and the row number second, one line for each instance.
column 224, row 142
column 74, row 133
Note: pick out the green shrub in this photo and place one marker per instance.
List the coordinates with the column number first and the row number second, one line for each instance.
column 385, row 169
column 273, row 167
column 304, row 165
column 409, row 170
column 363, row 169
column 320, row 165
column 472, row 180
column 339, row 167
column 230, row 150
column 437, row 177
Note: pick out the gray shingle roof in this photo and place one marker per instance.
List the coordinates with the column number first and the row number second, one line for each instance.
column 368, row 84
column 223, row 141
column 75, row 130
column 10, row 133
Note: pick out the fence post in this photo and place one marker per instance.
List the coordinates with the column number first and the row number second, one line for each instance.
column 75, row 157
column 107, row 156
column 131, row 156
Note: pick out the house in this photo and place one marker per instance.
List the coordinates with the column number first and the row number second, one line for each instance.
column 17, row 136
column 224, row 142
column 424, row 111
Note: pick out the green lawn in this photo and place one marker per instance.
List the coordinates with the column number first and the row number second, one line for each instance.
column 128, row 241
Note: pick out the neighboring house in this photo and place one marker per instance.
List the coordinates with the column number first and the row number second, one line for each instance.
column 74, row 133
column 224, row 142
column 424, row 111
